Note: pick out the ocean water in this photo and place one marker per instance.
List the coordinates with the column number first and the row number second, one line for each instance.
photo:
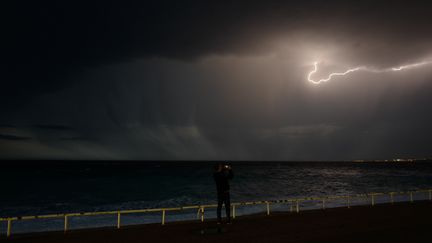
column 37, row 187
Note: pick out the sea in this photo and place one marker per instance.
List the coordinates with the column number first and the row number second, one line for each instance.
column 50, row 187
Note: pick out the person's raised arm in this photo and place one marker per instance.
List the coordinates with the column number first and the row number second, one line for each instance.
column 230, row 174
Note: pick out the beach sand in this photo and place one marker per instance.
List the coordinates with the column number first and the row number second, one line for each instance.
column 401, row 222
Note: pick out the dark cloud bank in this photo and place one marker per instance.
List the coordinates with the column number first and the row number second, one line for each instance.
column 221, row 80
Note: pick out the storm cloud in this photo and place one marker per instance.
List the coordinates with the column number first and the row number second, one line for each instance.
column 222, row 80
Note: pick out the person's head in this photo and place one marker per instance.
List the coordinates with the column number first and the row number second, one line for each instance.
column 218, row 167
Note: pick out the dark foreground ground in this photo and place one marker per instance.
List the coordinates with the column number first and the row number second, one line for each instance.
column 404, row 222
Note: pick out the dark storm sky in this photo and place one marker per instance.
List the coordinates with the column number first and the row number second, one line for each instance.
column 196, row 80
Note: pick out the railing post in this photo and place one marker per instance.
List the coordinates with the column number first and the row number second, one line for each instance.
column 411, row 197
column 391, row 198
column 323, row 203
column 297, row 206
column 65, row 223
column 9, row 227
column 268, row 208
column 163, row 216
column 291, row 206
column 202, row 214
column 233, row 211
column 373, row 199
column 118, row 220
column 348, row 202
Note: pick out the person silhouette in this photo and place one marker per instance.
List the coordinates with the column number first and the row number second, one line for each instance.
column 221, row 175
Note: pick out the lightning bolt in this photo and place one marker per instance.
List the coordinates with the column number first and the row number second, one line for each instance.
column 361, row 68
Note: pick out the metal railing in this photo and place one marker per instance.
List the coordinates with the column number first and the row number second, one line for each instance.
column 293, row 203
